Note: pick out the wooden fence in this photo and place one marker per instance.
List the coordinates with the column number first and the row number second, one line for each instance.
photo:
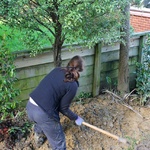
column 101, row 66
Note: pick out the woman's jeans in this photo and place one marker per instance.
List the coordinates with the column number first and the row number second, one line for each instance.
column 43, row 124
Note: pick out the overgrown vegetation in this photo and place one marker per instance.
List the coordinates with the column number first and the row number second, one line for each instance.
column 12, row 131
column 12, row 122
column 21, row 126
column 8, row 92
column 143, row 74
column 82, row 96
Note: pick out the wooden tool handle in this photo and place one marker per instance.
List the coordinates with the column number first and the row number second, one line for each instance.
column 105, row 132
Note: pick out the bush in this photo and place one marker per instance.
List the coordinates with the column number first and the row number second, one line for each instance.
column 8, row 93
column 143, row 74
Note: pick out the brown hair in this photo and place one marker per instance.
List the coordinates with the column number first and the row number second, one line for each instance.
column 74, row 66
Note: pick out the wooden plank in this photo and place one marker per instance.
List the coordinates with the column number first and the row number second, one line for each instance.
column 134, row 42
column 97, row 67
column 113, row 76
column 82, row 52
column 47, row 57
column 29, row 82
column 89, row 60
column 108, row 48
column 83, row 88
column 140, row 34
column 31, row 61
column 23, row 103
column 88, row 70
column 87, row 88
column 24, row 95
column 86, row 80
column 34, row 81
column 110, row 56
column 114, row 73
column 108, row 66
column 110, row 74
column 113, row 65
column 113, row 56
column 133, row 51
column 38, row 70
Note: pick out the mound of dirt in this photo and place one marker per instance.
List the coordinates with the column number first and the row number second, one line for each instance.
column 104, row 114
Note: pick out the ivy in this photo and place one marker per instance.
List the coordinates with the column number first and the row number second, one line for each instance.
column 8, row 93
column 143, row 74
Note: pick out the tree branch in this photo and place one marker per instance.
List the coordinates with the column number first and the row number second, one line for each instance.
column 39, row 21
column 121, row 102
column 38, row 29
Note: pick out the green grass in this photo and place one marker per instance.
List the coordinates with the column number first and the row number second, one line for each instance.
column 14, row 38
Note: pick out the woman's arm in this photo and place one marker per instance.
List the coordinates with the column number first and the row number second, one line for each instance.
column 66, row 101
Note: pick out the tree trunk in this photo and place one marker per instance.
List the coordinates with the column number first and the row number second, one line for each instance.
column 57, row 52
column 123, row 76
column 58, row 41
column 58, row 45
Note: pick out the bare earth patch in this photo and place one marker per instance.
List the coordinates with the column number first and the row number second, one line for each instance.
column 107, row 115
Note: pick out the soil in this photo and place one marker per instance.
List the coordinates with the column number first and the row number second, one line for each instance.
column 104, row 113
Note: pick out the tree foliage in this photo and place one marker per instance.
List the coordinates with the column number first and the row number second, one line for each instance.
column 66, row 21
column 8, row 92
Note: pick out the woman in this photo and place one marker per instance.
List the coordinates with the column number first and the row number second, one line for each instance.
column 54, row 94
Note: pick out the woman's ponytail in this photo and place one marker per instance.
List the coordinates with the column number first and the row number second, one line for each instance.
column 73, row 68
column 71, row 75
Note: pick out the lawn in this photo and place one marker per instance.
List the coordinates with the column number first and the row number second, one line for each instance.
column 14, row 38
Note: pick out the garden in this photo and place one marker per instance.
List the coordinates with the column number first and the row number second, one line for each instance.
column 126, row 117
column 33, row 25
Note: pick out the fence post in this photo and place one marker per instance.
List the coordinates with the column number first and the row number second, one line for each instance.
column 140, row 48
column 97, row 67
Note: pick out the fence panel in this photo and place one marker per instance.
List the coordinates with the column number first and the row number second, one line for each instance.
column 101, row 62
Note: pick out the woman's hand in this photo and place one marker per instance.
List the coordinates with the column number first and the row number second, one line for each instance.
column 79, row 121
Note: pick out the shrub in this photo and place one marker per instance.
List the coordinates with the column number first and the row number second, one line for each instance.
column 8, row 93
column 143, row 74
column 82, row 96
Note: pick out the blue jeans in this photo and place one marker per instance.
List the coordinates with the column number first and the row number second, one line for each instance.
column 50, row 127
